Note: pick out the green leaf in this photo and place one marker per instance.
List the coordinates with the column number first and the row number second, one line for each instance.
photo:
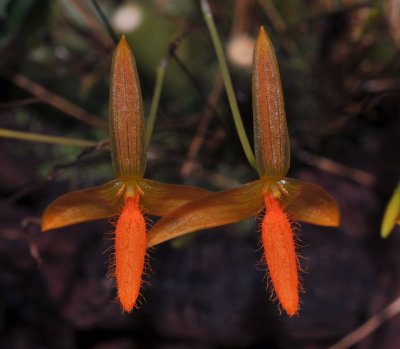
column 12, row 14
column 392, row 213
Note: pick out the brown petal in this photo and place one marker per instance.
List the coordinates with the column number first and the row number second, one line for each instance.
column 84, row 205
column 221, row 208
column 160, row 199
column 308, row 202
column 127, row 129
column 271, row 139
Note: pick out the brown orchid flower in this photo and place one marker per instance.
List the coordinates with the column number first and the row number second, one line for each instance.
column 130, row 195
column 284, row 199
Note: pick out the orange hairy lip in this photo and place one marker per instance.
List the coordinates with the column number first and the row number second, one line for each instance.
column 279, row 248
column 130, row 252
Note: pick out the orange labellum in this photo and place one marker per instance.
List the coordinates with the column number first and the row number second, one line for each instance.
column 130, row 252
column 278, row 241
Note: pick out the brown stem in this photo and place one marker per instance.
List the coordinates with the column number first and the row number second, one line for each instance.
column 368, row 327
column 92, row 22
column 54, row 100
column 20, row 103
column 203, row 125
column 336, row 168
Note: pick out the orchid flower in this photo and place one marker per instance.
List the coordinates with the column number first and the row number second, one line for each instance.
column 130, row 195
column 284, row 199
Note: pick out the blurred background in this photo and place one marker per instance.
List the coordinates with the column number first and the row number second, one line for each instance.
column 340, row 70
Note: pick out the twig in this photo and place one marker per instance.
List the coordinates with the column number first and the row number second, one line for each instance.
column 190, row 76
column 33, row 185
column 279, row 24
column 370, row 326
column 320, row 16
column 173, row 46
column 203, row 125
column 336, row 168
column 33, row 247
column 100, row 145
column 20, row 103
column 172, row 54
column 156, row 99
column 273, row 15
column 54, row 100
column 34, row 137
column 79, row 160
column 205, row 7
column 106, row 22
column 92, row 22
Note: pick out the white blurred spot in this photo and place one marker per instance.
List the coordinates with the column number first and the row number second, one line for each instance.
column 127, row 18
column 240, row 50
column 62, row 53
